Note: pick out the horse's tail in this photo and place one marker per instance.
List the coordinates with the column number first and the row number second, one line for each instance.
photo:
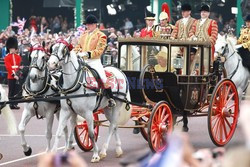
column 8, row 114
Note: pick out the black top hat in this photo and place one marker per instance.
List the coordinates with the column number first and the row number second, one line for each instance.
column 186, row 7
column 91, row 19
column 205, row 8
column 247, row 18
column 11, row 43
column 149, row 15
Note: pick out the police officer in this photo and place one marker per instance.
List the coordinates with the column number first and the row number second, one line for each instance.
column 90, row 47
column 244, row 43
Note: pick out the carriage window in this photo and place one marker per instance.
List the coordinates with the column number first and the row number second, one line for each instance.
column 158, row 56
column 130, row 57
column 135, row 57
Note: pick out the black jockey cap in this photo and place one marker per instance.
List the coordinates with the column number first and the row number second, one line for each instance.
column 247, row 18
column 205, row 8
column 11, row 43
column 186, row 7
column 91, row 19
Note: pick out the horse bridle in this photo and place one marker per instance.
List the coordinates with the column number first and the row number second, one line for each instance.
column 34, row 61
column 223, row 54
column 67, row 48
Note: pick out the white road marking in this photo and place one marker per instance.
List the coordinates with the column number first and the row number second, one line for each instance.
column 29, row 157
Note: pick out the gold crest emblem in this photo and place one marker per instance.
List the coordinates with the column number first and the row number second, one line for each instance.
column 194, row 96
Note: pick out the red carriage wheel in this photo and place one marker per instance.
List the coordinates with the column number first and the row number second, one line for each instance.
column 223, row 112
column 160, row 124
column 144, row 120
column 82, row 136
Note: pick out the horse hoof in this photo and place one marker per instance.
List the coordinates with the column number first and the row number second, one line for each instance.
column 68, row 149
column 95, row 159
column 1, row 156
column 28, row 153
column 103, row 155
column 119, row 153
column 185, row 129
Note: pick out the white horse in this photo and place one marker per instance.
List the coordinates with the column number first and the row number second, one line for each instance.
column 38, row 83
column 225, row 46
column 7, row 112
column 75, row 79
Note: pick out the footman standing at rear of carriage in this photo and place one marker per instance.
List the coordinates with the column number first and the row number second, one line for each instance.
column 12, row 63
column 205, row 29
column 90, row 47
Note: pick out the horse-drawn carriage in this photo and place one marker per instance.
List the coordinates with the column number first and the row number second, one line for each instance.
column 156, row 81
column 187, row 86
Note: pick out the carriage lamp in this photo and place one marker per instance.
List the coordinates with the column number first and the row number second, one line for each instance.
column 178, row 62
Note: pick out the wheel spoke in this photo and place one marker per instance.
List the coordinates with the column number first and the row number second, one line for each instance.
column 229, row 99
column 82, row 132
column 214, row 117
column 227, row 93
column 165, row 118
column 217, row 127
column 221, row 134
column 216, row 122
column 233, row 105
column 163, row 113
column 154, row 135
column 159, row 113
column 228, row 123
column 86, row 139
column 224, row 128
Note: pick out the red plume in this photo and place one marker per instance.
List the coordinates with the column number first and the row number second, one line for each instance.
column 165, row 8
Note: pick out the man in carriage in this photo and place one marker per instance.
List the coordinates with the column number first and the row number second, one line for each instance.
column 164, row 29
column 91, row 46
column 244, row 43
column 205, row 29
column 149, row 19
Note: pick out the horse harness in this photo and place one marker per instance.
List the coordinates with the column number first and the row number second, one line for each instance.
column 46, row 84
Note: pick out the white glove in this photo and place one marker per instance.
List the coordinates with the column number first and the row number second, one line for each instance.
column 83, row 55
column 238, row 46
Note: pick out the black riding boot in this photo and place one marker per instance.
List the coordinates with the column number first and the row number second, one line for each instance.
column 110, row 98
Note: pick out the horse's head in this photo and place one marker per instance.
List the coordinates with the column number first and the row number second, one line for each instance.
column 60, row 52
column 224, row 45
column 38, row 58
column 221, row 45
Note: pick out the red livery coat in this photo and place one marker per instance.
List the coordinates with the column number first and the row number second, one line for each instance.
column 12, row 63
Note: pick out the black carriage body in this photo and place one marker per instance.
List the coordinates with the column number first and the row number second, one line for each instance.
column 182, row 91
